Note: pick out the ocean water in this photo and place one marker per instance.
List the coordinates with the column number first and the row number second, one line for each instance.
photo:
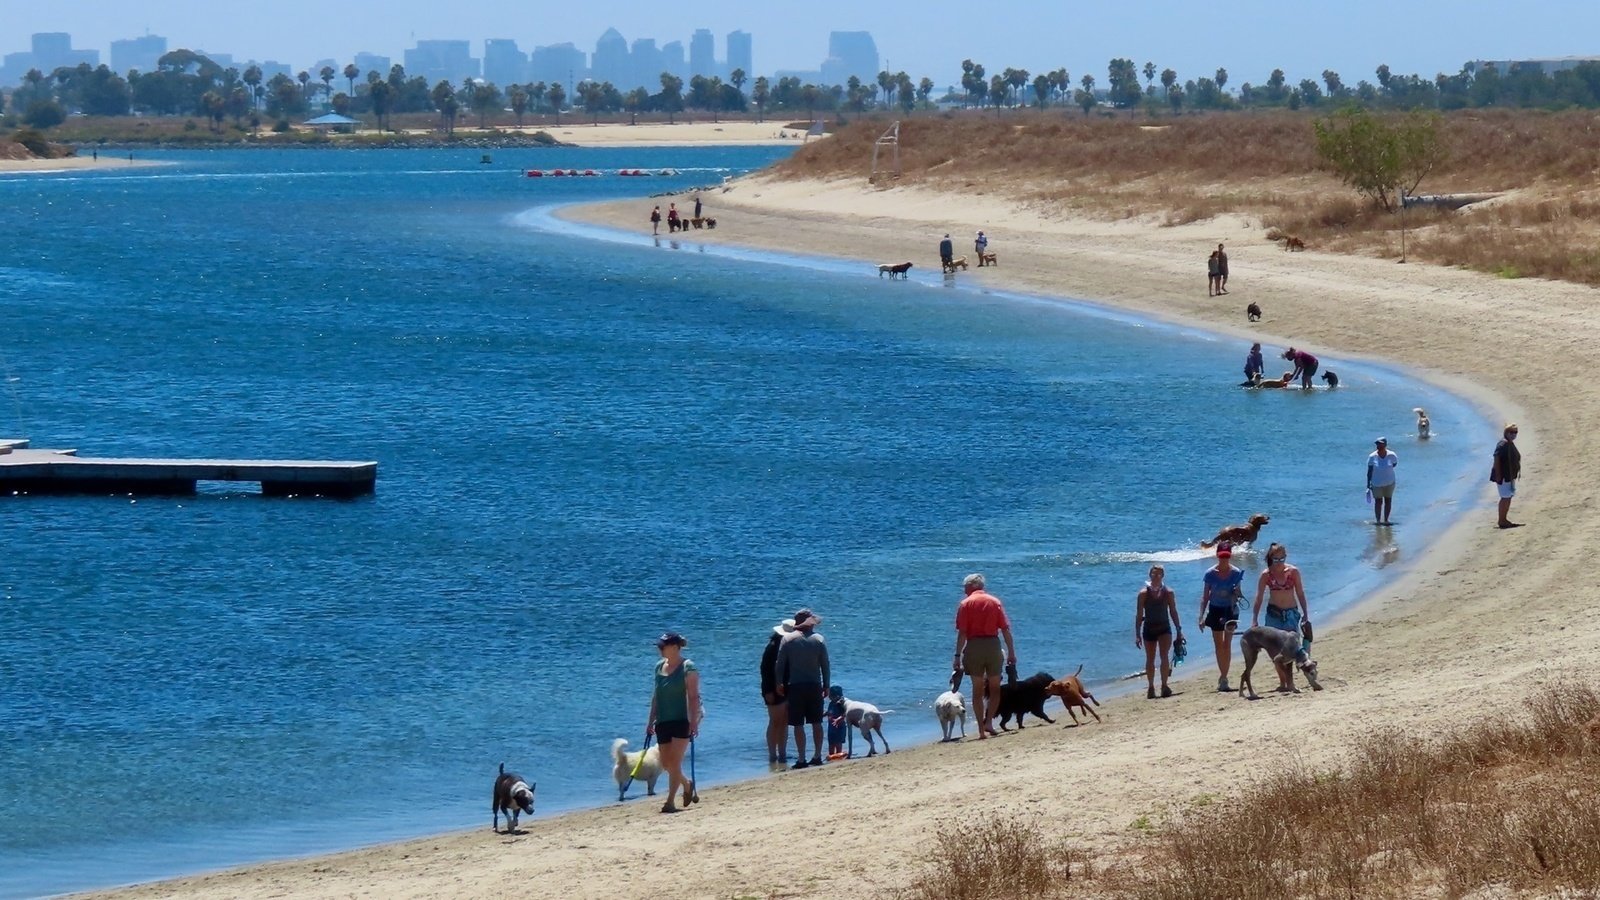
column 584, row 438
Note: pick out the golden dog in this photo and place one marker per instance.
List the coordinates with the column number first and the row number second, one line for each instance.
column 959, row 262
column 1073, row 694
column 1240, row 534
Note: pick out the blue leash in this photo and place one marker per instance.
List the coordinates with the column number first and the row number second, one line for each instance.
column 694, row 789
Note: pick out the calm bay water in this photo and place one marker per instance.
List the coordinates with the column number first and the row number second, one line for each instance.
column 582, row 441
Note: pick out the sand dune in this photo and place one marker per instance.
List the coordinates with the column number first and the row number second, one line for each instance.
column 1473, row 625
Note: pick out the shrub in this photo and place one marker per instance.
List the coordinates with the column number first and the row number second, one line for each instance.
column 44, row 114
column 995, row 856
column 34, row 141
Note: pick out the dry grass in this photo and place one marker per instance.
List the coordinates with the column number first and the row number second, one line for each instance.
column 1262, row 166
column 1511, row 803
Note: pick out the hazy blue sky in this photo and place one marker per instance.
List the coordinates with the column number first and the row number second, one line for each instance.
column 1248, row 37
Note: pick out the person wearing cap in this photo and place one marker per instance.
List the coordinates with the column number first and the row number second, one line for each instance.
column 947, row 251
column 1219, row 608
column 980, row 624
column 1506, row 470
column 803, row 679
column 1380, row 480
column 675, row 714
column 1305, row 366
column 777, row 712
column 980, row 244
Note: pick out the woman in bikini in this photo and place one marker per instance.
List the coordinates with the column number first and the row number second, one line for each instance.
column 1154, row 618
column 1285, row 593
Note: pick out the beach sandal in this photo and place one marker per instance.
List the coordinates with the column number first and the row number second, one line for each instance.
column 691, row 795
column 1166, row 691
column 799, row 764
column 668, row 807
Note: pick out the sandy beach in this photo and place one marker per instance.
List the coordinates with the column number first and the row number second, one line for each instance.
column 69, row 164
column 573, row 130
column 1476, row 622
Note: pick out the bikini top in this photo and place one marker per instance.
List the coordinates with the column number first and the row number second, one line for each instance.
column 1282, row 583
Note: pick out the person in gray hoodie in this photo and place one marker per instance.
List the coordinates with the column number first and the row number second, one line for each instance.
column 803, row 679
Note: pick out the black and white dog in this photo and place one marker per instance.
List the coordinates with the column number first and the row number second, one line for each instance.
column 512, row 796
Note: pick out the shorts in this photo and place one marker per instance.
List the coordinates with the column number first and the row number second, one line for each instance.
column 982, row 658
column 1508, row 489
column 771, row 699
column 1307, row 372
column 1221, row 618
column 1155, row 632
column 805, row 703
column 1382, row 491
column 667, row 732
column 1282, row 619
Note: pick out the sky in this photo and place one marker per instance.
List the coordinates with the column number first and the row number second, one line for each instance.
column 1248, row 37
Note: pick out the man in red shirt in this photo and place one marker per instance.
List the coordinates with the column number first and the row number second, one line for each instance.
column 980, row 623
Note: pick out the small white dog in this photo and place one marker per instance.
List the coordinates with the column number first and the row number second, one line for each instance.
column 950, row 708
column 1424, row 431
column 868, row 718
column 649, row 769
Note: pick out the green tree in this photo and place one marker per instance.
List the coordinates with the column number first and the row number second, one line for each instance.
column 905, row 91
column 1123, row 78
column 1384, row 160
column 885, row 84
column 557, row 95
column 924, row 90
column 1336, row 88
column 238, row 103
column 633, row 101
column 1041, row 90
column 737, row 78
column 1309, row 92
column 381, row 95
column 760, row 94
column 519, row 103
column 670, row 100
column 305, row 85
column 444, row 100
column 1085, row 96
column 1150, row 77
column 351, row 73
column 486, row 99
column 1169, row 77
column 44, row 114
column 215, row 108
column 341, row 103
column 1175, row 98
column 1275, row 91
column 326, row 74
column 1017, row 79
column 1221, row 79
column 252, row 77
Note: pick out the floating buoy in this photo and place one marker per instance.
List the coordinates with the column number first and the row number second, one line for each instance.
column 589, row 172
column 535, row 173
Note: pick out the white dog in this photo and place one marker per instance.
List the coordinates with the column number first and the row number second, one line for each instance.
column 647, row 763
column 949, row 708
column 1424, row 430
column 868, row 718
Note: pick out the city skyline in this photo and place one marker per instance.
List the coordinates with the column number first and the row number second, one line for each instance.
column 1248, row 37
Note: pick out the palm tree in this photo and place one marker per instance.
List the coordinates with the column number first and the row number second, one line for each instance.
column 252, row 77
column 351, row 72
column 305, row 80
column 557, row 95
column 885, row 82
column 1169, row 77
column 327, row 74
column 759, row 95
column 1150, row 76
column 519, row 103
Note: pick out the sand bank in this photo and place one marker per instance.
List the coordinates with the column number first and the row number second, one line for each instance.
column 69, row 164
column 1475, row 622
column 682, row 134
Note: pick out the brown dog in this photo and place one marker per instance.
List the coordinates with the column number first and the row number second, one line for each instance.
column 1073, row 694
column 1240, row 534
column 1293, row 243
column 959, row 262
column 987, row 259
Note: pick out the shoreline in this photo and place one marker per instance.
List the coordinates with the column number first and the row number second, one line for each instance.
column 1384, row 668
column 71, row 164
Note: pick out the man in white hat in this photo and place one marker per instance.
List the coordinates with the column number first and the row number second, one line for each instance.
column 1380, row 480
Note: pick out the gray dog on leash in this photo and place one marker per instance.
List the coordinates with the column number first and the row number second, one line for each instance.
column 1285, row 651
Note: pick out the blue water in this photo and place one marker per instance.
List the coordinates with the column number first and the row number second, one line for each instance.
column 583, row 439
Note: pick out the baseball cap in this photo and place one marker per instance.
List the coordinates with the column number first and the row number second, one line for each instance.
column 671, row 637
column 1224, row 548
column 1382, row 440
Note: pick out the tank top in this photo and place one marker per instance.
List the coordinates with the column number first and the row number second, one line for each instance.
column 1155, row 607
column 672, row 695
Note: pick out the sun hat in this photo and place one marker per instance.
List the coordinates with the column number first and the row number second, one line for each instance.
column 1224, row 548
column 1382, row 440
column 784, row 627
column 671, row 637
column 806, row 617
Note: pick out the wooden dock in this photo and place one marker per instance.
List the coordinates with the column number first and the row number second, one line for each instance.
column 28, row 471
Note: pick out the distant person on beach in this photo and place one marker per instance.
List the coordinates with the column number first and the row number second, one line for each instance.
column 1219, row 608
column 672, row 217
column 675, row 714
column 777, row 712
column 1253, row 364
column 1155, row 616
column 697, row 206
column 1222, row 270
column 1213, row 275
column 980, row 244
column 655, row 220
column 803, row 678
column 1305, row 366
column 980, row 624
column 1285, row 594
column 1505, row 471
column 947, row 251
column 1380, row 480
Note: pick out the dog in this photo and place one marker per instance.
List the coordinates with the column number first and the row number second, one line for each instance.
column 1287, row 654
column 512, row 796
column 1424, row 429
column 1259, row 382
column 1073, row 694
column 649, row 771
column 697, row 222
column 949, row 708
column 1293, row 243
column 959, row 262
column 896, row 270
column 1025, row 697
column 1332, row 378
column 987, row 259
column 711, row 221
column 868, row 718
column 1253, row 312
column 1239, row 534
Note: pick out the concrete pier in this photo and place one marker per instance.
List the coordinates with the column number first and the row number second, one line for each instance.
column 28, row 471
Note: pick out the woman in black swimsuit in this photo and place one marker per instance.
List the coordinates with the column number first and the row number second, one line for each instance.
column 1154, row 619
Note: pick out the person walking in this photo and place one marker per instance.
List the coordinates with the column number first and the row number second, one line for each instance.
column 1222, row 270
column 803, row 679
column 947, row 252
column 1213, row 275
column 1505, row 471
column 1380, row 480
column 1285, row 594
column 980, row 624
column 777, row 713
column 675, row 715
column 1219, row 608
column 655, row 220
column 1305, row 366
column 1155, row 616
column 979, row 245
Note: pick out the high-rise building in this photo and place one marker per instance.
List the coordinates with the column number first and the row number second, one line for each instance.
column 49, row 51
column 503, row 64
column 442, row 61
column 372, row 62
column 647, row 66
column 702, row 53
column 850, row 53
column 140, row 53
column 610, row 61
column 739, row 55
column 672, row 60
column 561, row 64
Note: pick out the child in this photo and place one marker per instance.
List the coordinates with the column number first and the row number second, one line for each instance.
column 838, row 728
